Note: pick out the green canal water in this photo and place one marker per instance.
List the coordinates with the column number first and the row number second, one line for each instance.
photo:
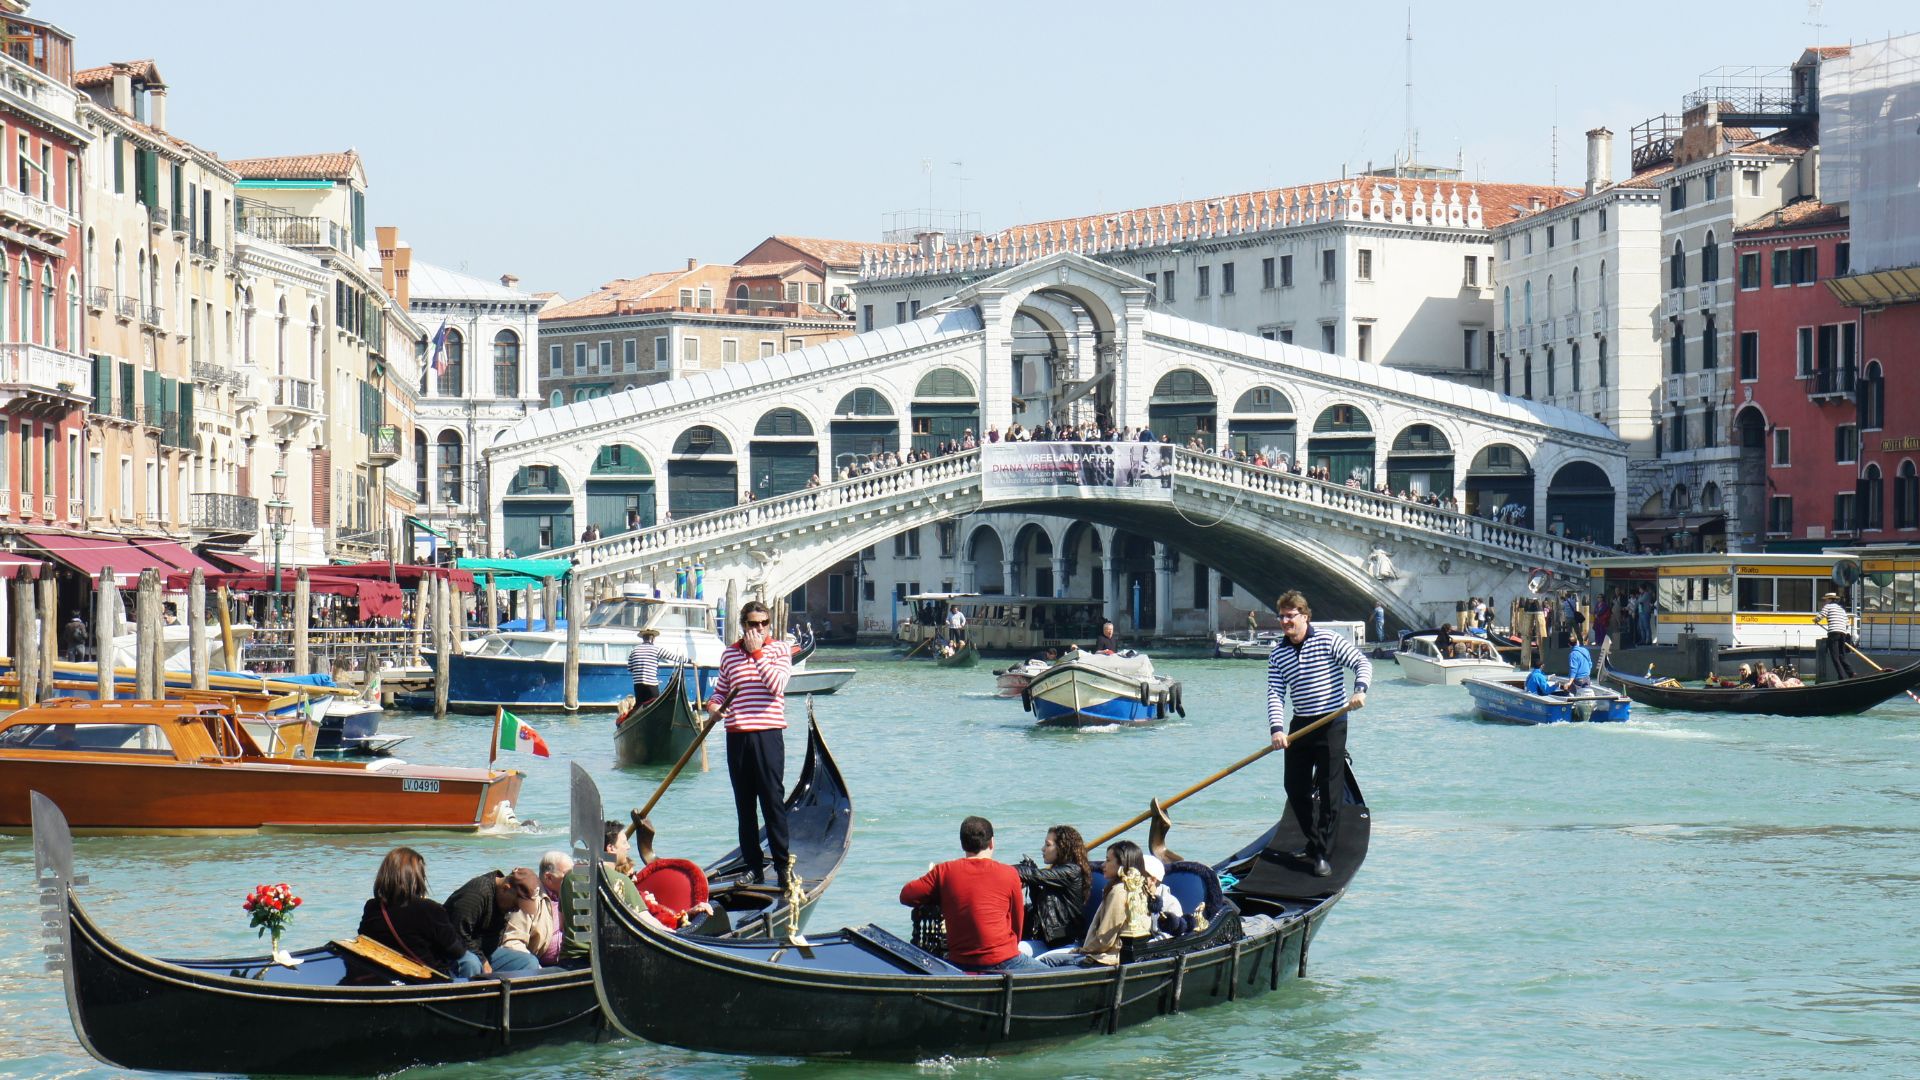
column 1675, row 896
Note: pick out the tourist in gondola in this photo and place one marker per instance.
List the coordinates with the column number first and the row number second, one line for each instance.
column 616, row 865
column 532, row 929
column 400, row 916
column 752, row 691
column 1305, row 668
column 1057, row 891
column 1835, row 618
column 979, row 898
column 1122, row 921
column 479, row 912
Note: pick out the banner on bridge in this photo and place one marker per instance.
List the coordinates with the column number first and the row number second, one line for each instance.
column 1077, row 469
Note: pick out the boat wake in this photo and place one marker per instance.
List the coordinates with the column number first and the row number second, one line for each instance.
column 1663, row 732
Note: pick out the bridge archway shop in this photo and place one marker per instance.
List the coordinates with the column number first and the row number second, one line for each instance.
column 620, row 490
column 702, row 475
column 1262, row 422
column 945, row 407
column 864, row 424
column 1342, row 443
column 1500, row 475
column 1421, row 461
column 784, row 453
column 1580, row 502
column 538, row 510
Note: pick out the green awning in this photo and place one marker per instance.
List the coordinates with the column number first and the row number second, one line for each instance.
column 417, row 523
column 513, row 574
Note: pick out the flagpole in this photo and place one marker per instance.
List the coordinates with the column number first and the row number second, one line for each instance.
column 493, row 748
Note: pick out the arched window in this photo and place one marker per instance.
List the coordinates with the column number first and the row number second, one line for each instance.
column 452, row 365
column 49, row 306
column 1872, row 503
column 119, row 271
column 1677, row 267
column 556, row 399
column 76, row 341
column 451, row 470
column 313, row 342
column 1506, row 306
column 179, row 297
column 1873, row 398
column 1526, row 302
column 1601, row 362
column 1710, row 497
column 420, row 491
column 1710, row 259
column 1906, row 497
column 140, row 282
column 1549, row 297
column 93, row 258
column 506, row 364
column 1681, row 501
column 1573, row 365
column 1600, row 298
column 26, row 301
column 280, row 338
column 1552, row 375
column 1575, row 293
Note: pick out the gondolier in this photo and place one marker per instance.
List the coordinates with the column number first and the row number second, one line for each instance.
column 643, row 663
column 1305, row 668
column 956, row 625
column 752, row 691
column 1838, row 623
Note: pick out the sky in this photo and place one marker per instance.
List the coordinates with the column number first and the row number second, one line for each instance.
column 578, row 141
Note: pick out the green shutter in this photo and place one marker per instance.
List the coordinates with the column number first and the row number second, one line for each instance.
column 186, row 414
column 150, row 394
column 102, row 385
column 119, row 165
column 126, row 391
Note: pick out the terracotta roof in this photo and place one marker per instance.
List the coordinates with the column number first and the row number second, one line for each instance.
column 143, row 70
column 833, row 252
column 1801, row 214
column 1790, row 143
column 607, row 298
column 1828, row 52
column 760, row 270
column 338, row 166
column 1648, row 177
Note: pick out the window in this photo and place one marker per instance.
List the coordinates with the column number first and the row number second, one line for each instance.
column 949, row 536
column 629, row 355
column 556, row 365
column 1749, row 355
column 690, row 352
column 1549, row 237
column 686, row 297
column 1573, row 365
column 1750, row 181
column 1677, row 437
column 1472, row 278
column 1526, row 384
column 1677, row 267
column 1782, row 268
column 1677, row 195
column 729, row 351
column 913, row 308
column 606, row 357
column 660, row 361
column 1266, row 273
column 866, row 317
column 1166, row 286
column 1552, row 377
column 1679, row 347
column 1286, row 271
column 1204, row 282
column 506, row 364
column 766, row 349
column 1527, row 242
column 906, row 545
column 452, row 381
column 813, row 292
column 1226, row 279
column 1782, row 448
column 1573, row 227
column 1600, row 363
column 1326, row 265
column 1749, row 270
column 1846, row 444
column 1603, row 219
column 1779, row 507
column 1364, row 334
column 1906, row 497
column 1709, row 346
column 1468, row 343
column 1710, row 187
column 1842, row 258
column 1365, row 268
column 1803, row 362
column 1326, row 338
column 704, row 298
column 1806, row 265
column 836, row 594
column 579, row 358
column 1153, row 279
column 792, row 293
column 1709, row 428
column 1286, row 336
column 1843, row 504
column 1873, row 504
column 1710, row 259
column 900, row 309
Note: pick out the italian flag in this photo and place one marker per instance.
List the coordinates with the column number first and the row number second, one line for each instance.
column 517, row 734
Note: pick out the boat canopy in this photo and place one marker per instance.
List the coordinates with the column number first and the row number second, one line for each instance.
column 513, row 574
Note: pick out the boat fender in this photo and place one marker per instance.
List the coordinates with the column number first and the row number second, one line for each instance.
column 1178, row 698
column 1026, row 698
column 1146, row 693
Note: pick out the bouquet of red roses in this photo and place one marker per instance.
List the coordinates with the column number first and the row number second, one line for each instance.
column 270, row 908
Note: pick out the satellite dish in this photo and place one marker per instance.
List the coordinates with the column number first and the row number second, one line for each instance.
column 1846, row 573
column 1538, row 579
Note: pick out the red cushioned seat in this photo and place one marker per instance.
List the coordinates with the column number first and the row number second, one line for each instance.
column 676, row 884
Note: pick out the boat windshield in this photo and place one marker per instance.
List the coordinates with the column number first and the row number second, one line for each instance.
column 632, row 613
column 88, row 738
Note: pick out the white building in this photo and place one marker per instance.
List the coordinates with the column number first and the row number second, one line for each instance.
column 1579, row 288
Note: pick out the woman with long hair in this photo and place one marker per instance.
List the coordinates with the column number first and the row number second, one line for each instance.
column 402, row 917
column 1123, row 918
column 1057, row 892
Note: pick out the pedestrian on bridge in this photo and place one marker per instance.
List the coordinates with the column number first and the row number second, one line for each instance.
column 1379, row 622
column 751, row 691
column 1305, row 669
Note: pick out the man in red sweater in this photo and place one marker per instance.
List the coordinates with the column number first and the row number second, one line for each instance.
column 981, row 902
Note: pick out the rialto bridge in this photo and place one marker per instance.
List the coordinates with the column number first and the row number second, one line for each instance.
column 661, row 470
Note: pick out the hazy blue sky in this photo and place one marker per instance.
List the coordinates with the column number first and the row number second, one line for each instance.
column 573, row 142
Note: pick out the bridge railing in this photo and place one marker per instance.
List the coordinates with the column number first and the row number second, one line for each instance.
column 764, row 514
column 1359, row 502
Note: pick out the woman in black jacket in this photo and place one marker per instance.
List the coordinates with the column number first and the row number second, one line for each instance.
column 1057, row 892
column 401, row 917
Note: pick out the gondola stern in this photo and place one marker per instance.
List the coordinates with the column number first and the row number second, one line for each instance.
column 54, row 881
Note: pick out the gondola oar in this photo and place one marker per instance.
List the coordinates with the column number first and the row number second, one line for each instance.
column 1877, row 667
column 685, row 756
column 917, row 648
column 1168, row 804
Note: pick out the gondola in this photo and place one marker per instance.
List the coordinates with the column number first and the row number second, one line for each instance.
column 964, row 655
column 250, row 1015
column 659, row 731
column 1844, row 697
column 805, row 641
column 862, row 992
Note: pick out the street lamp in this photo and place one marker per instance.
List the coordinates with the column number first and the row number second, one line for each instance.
column 278, row 510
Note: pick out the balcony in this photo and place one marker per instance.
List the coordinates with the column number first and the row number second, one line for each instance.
column 227, row 515
column 1828, row 384
column 1674, row 305
column 1500, row 340
column 152, row 416
column 204, row 249
column 294, row 231
column 1523, row 337
column 128, row 309
column 1570, row 325
column 1601, row 320
column 295, row 402
column 157, row 217
column 99, row 297
column 56, row 378
column 36, row 217
column 1709, row 294
column 150, row 316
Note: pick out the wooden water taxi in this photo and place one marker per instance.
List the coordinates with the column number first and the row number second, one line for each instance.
column 184, row 766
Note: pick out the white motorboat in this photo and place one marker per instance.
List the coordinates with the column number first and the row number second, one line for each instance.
column 1094, row 688
column 1421, row 660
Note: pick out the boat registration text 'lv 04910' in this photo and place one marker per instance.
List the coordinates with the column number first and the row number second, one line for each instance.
column 414, row 783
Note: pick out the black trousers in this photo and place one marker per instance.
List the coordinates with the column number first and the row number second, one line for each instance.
column 757, row 765
column 1837, row 652
column 1315, row 766
column 644, row 692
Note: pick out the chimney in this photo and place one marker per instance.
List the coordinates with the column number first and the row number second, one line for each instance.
column 693, row 264
column 510, row 280
column 157, row 107
column 122, row 91
column 1599, row 159
column 403, row 273
column 931, row 243
column 384, row 237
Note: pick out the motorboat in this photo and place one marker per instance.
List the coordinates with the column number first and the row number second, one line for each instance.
column 1421, row 660
column 1012, row 682
column 807, row 679
column 1089, row 689
column 1245, row 647
column 1506, row 700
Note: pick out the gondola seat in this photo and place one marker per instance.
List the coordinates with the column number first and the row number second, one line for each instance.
column 677, row 886
column 1096, row 892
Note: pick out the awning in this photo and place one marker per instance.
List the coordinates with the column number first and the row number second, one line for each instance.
column 178, row 557
column 235, row 561
column 418, row 524
column 11, row 565
column 378, row 599
column 1684, row 523
column 408, row 575
column 90, row 556
column 510, row 574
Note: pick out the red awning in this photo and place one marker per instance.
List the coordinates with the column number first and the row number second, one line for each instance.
column 407, row 574
column 236, row 561
column 176, row 556
column 377, row 599
column 11, row 565
column 89, row 555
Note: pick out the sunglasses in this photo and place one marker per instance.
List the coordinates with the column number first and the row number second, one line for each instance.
column 759, row 622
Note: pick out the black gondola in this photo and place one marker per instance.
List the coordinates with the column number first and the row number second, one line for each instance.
column 250, row 1015
column 963, row 655
column 658, row 732
column 1843, row 697
column 805, row 641
column 865, row 993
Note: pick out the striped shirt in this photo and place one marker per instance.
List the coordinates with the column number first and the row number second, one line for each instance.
column 1310, row 674
column 1836, row 618
column 758, row 686
column 643, row 663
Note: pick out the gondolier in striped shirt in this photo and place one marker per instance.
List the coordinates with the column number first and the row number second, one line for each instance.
column 1308, row 668
column 753, row 674
column 644, row 662
column 1838, row 624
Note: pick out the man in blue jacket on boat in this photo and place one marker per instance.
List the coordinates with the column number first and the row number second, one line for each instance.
column 1579, row 664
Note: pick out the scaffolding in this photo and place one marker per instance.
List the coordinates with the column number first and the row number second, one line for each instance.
column 1869, row 150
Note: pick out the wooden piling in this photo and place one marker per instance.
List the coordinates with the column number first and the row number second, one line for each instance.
column 197, row 627
column 49, row 629
column 26, row 645
column 576, row 593
column 493, row 604
column 106, row 622
column 302, row 617
column 547, row 597
column 442, row 641
column 229, row 653
column 147, row 631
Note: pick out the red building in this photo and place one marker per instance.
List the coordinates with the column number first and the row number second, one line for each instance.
column 45, row 385
column 1815, row 376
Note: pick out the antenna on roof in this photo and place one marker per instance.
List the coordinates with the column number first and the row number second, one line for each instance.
column 1553, row 162
column 1412, row 136
column 1813, row 20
